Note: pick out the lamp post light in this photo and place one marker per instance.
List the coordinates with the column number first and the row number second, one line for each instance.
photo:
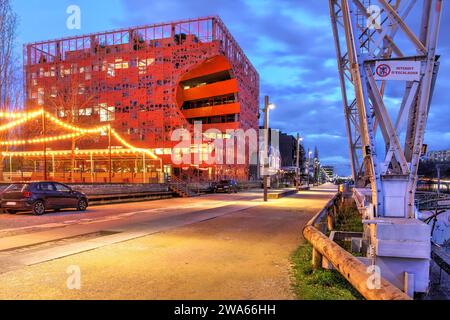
column 110, row 155
column 267, row 106
column 309, row 166
column 297, row 170
column 44, row 129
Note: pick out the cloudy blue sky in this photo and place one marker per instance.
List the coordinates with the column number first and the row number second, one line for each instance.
column 289, row 42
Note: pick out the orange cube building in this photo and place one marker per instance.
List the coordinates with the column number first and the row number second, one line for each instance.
column 145, row 82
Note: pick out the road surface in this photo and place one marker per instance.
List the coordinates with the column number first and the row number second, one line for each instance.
column 211, row 247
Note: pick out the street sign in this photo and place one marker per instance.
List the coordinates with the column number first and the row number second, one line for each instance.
column 397, row 70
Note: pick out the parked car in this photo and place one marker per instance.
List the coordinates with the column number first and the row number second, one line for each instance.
column 41, row 196
column 211, row 187
column 226, row 186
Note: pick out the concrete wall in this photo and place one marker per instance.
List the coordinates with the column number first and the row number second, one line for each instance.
column 102, row 189
column 204, row 186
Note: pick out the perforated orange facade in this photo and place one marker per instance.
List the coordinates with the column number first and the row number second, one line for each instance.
column 146, row 82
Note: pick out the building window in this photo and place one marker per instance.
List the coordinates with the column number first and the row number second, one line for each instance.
column 40, row 96
column 107, row 113
column 85, row 112
column 81, row 89
column 54, row 92
column 144, row 63
column 212, row 101
column 111, row 70
column 62, row 113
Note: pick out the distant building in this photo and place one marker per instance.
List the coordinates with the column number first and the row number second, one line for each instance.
column 439, row 156
column 274, row 152
column 329, row 171
column 288, row 150
column 284, row 150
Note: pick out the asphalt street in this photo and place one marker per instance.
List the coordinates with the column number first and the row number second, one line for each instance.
column 211, row 247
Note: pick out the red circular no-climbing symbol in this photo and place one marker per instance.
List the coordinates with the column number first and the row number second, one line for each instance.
column 383, row 70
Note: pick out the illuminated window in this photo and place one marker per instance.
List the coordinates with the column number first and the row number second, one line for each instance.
column 54, row 92
column 120, row 64
column 144, row 63
column 61, row 113
column 81, row 89
column 85, row 112
column 107, row 113
column 111, row 70
column 40, row 96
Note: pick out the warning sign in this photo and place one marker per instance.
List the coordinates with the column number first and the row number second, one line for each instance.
column 397, row 70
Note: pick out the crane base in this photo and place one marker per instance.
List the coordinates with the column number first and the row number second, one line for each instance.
column 402, row 251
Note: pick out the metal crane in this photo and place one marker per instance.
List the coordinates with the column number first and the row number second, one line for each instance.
column 375, row 40
column 387, row 62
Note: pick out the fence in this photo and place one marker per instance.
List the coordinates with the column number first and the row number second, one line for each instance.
column 348, row 266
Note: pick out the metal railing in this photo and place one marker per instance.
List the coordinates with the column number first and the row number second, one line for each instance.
column 345, row 263
column 180, row 187
column 128, row 197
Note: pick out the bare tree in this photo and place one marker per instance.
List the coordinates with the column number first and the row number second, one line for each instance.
column 69, row 98
column 9, row 62
column 10, row 83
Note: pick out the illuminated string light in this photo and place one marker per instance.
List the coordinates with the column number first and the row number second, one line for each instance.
column 18, row 115
column 24, row 119
column 40, row 140
column 126, row 144
column 67, row 126
column 103, row 152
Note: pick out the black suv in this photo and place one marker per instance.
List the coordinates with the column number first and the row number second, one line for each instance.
column 226, row 186
column 41, row 196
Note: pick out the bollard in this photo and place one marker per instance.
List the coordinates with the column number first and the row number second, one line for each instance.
column 316, row 260
column 335, row 213
column 330, row 221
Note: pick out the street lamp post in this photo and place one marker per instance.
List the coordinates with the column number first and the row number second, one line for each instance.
column 309, row 166
column 109, row 154
column 267, row 107
column 297, row 170
column 45, row 144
